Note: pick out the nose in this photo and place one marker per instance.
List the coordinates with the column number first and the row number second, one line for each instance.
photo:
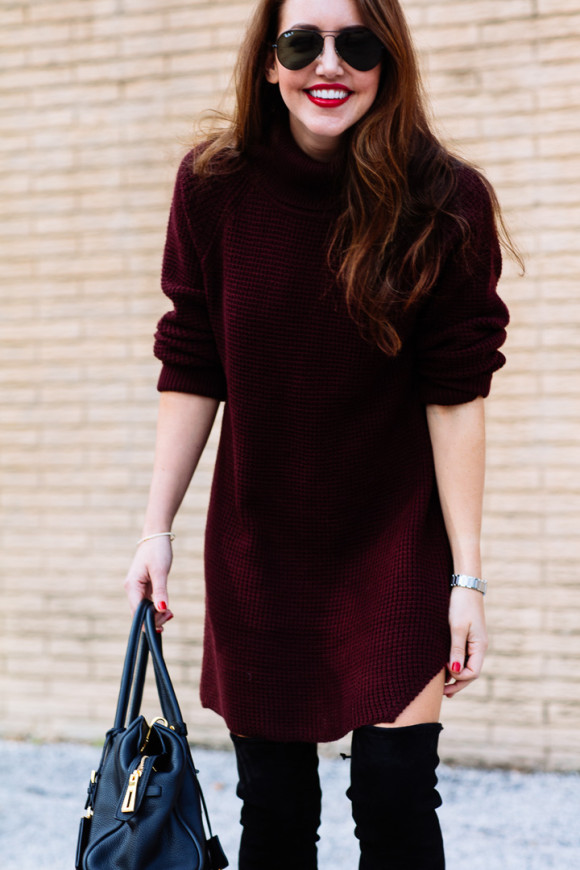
column 329, row 62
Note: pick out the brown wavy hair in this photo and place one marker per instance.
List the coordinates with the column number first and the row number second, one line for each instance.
column 400, row 184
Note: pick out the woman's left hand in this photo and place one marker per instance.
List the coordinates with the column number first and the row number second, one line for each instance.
column 468, row 638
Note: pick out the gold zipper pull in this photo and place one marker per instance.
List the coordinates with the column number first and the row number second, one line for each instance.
column 153, row 721
column 131, row 793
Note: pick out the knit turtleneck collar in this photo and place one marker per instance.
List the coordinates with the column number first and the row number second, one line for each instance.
column 292, row 176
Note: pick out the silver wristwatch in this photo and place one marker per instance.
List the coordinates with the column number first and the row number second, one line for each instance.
column 469, row 582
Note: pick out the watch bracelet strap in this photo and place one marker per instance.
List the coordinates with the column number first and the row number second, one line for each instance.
column 468, row 582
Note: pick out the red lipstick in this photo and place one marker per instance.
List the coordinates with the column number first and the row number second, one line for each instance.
column 328, row 95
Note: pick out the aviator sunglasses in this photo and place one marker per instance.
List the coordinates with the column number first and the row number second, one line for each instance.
column 357, row 46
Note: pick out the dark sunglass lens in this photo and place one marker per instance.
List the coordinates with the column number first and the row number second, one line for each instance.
column 298, row 48
column 361, row 49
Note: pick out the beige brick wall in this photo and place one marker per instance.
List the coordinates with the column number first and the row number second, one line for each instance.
column 97, row 101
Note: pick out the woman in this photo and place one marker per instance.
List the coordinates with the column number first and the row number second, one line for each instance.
column 333, row 271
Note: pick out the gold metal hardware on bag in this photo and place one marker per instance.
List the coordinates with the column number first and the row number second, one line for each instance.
column 131, row 793
column 153, row 721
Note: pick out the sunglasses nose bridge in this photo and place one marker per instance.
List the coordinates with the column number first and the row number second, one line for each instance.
column 327, row 53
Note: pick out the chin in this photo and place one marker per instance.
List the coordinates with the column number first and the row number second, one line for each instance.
column 327, row 129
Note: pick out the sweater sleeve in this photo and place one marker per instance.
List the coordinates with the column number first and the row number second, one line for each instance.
column 184, row 341
column 463, row 323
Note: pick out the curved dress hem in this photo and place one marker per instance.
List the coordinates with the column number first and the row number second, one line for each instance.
column 324, row 736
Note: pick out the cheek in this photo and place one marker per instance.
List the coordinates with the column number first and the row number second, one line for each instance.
column 290, row 83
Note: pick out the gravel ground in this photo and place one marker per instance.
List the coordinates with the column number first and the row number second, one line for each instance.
column 492, row 820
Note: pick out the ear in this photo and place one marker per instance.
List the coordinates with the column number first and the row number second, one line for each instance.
column 272, row 68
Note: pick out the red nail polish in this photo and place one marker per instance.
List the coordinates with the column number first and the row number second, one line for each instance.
column 455, row 667
column 162, row 606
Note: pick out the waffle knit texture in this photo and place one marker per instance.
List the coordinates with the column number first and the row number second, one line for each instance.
column 326, row 558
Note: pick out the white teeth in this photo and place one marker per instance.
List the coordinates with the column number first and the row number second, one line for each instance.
column 325, row 94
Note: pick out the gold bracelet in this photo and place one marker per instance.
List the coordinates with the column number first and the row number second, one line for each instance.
column 170, row 535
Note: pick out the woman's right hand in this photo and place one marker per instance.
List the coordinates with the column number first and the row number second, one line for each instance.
column 147, row 577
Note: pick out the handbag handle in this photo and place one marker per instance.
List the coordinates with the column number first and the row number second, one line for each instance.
column 139, row 646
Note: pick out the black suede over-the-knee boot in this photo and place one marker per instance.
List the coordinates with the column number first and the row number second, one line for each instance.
column 394, row 797
column 280, row 788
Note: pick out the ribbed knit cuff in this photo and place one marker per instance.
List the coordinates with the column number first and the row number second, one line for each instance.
column 451, row 394
column 199, row 382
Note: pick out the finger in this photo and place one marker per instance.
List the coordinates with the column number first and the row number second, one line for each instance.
column 469, row 673
column 136, row 588
column 453, row 688
column 457, row 654
column 474, row 663
column 459, row 683
column 160, row 598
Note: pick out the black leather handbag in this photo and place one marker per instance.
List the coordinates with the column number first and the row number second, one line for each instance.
column 144, row 805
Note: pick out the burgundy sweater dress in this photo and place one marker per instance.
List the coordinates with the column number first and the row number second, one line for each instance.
column 327, row 562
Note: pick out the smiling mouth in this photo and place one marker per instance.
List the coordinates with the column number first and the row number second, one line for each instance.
column 328, row 96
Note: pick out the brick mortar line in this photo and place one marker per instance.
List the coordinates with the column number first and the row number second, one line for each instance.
column 165, row 10
column 121, row 57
